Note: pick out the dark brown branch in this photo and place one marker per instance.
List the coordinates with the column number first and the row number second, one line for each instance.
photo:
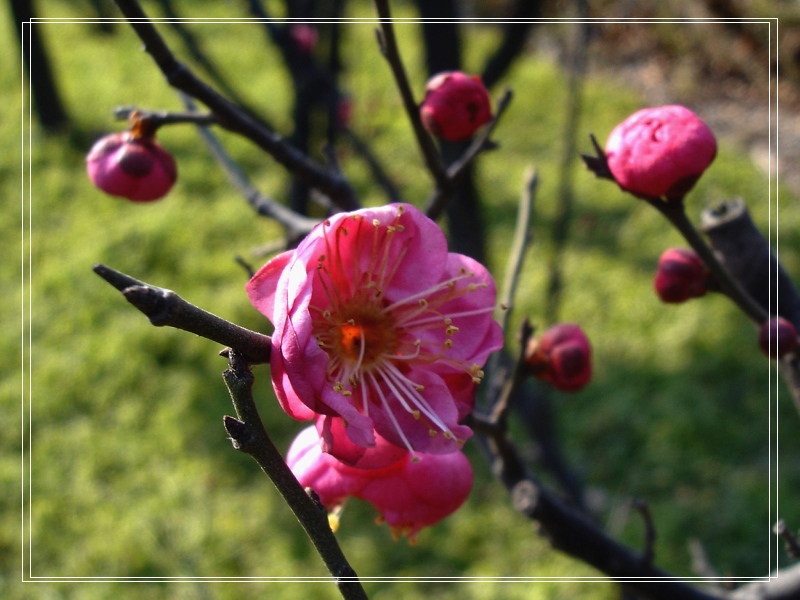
column 248, row 435
column 388, row 45
column 570, row 531
column 231, row 117
column 747, row 255
column 515, row 34
column 457, row 169
column 566, row 527
column 165, row 308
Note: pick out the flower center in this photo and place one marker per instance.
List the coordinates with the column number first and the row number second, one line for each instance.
column 361, row 337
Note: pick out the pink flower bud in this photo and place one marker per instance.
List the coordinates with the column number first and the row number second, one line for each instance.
column 136, row 168
column 777, row 337
column 304, row 36
column 455, row 105
column 681, row 275
column 562, row 357
column 660, row 152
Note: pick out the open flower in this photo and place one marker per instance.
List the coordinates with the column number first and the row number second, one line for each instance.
column 377, row 323
column 660, row 152
column 410, row 492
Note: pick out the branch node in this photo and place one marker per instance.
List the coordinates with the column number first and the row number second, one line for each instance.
column 239, row 433
column 791, row 543
column 525, row 498
column 648, row 553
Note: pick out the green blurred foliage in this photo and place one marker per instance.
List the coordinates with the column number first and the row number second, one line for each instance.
column 127, row 469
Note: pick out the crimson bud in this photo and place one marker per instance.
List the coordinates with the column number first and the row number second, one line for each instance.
column 777, row 337
column 681, row 275
column 455, row 105
column 133, row 167
column 660, row 152
column 562, row 357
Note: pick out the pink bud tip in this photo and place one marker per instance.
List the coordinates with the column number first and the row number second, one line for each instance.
column 304, row 36
column 660, row 152
column 681, row 275
column 777, row 337
column 562, row 357
column 138, row 169
column 455, row 105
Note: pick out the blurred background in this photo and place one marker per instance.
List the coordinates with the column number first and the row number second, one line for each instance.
column 126, row 469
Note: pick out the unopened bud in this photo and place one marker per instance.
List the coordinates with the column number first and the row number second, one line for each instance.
column 660, row 152
column 136, row 168
column 681, row 275
column 455, row 105
column 777, row 337
column 562, row 357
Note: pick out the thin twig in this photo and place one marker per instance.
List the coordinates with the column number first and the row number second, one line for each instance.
column 456, row 170
column 165, row 308
column 296, row 225
column 510, row 390
column 523, row 236
column 232, row 117
column 157, row 118
column 388, row 45
column 248, row 435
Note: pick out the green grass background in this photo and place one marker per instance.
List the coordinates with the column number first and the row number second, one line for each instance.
column 127, row 469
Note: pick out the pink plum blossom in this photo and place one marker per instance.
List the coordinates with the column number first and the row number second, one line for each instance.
column 681, row 275
column 660, row 152
column 561, row 356
column 133, row 167
column 410, row 492
column 455, row 105
column 378, row 324
column 777, row 337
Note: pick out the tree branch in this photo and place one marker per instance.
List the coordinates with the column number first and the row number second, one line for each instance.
column 165, row 308
column 388, row 45
column 231, row 117
column 248, row 435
